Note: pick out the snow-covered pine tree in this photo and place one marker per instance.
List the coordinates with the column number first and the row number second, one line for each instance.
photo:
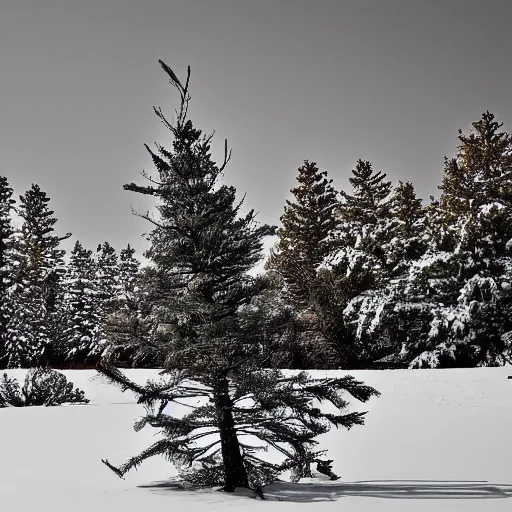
column 304, row 240
column 83, row 342
column 305, row 235
column 6, row 233
column 357, row 268
column 407, row 226
column 381, row 312
column 36, row 281
column 467, row 279
column 218, row 336
column 107, row 278
column 131, row 326
column 128, row 271
column 107, row 286
column 24, row 346
column 364, row 211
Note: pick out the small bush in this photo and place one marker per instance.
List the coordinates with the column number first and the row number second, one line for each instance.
column 42, row 386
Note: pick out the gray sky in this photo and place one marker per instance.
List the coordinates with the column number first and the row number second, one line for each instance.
column 332, row 81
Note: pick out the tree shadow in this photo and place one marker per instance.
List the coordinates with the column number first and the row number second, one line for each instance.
column 388, row 489
column 166, row 485
column 176, row 485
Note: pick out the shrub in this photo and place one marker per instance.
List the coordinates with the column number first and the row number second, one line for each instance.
column 42, row 386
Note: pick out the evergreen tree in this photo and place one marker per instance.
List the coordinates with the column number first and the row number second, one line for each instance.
column 83, row 341
column 129, row 272
column 25, row 338
column 367, row 204
column 303, row 242
column 480, row 171
column 308, row 222
column 356, row 268
column 219, row 332
column 378, row 312
column 131, row 325
column 407, row 225
column 42, row 245
column 464, row 281
column 36, row 280
column 107, row 278
column 6, row 233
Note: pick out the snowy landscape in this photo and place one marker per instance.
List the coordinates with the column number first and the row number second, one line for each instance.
column 354, row 286
column 219, row 321
column 434, row 440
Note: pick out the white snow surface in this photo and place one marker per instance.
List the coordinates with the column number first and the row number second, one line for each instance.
column 436, row 440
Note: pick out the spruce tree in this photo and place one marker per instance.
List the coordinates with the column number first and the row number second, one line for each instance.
column 82, row 335
column 364, row 234
column 464, row 280
column 407, row 226
column 131, row 325
column 379, row 313
column 307, row 223
column 304, row 240
column 37, row 291
column 26, row 338
column 356, row 268
column 107, row 278
column 43, row 245
column 219, row 334
column 6, row 232
column 480, row 171
column 410, row 240
column 129, row 272
column 367, row 204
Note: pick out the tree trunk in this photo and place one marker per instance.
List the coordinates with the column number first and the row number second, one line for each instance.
column 303, row 468
column 234, row 469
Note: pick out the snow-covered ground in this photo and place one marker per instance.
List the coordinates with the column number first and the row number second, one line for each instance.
column 436, row 440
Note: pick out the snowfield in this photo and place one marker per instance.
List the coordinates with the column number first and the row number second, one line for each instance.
column 436, row 440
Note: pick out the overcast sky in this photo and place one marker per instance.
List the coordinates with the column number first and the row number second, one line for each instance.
column 331, row 81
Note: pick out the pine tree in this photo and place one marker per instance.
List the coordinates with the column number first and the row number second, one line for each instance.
column 107, row 278
column 42, row 244
column 219, row 332
column 25, row 339
column 465, row 279
column 379, row 312
column 365, row 232
column 303, row 242
column 357, row 268
column 82, row 335
column 480, row 172
column 304, row 239
column 6, row 232
column 130, row 326
column 129, row 272
column 407, row 225
column 366, row 206
column 36, row 280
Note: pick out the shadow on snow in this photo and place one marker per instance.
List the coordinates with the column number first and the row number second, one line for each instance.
column 387, row 489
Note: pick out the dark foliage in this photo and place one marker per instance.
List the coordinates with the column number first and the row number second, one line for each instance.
column 6, row 232
column 216, row 332
column 42, row 387
column 278, row 412
column 304, row 238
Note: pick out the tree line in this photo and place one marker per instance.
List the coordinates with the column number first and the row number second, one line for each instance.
column 382, row 278
column 52, row 312
column 368, row 277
